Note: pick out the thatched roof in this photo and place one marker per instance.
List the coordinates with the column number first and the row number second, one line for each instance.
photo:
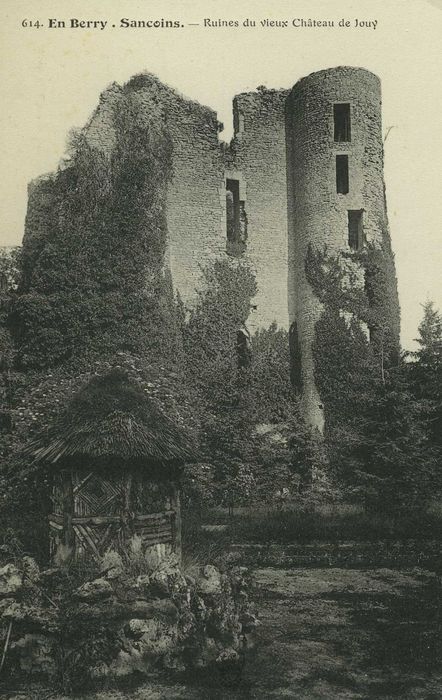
column 112, row 417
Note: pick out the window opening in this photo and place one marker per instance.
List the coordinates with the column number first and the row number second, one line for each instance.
column 236, row 219
column 342, row 123
column 342, row 174
column 355, row 229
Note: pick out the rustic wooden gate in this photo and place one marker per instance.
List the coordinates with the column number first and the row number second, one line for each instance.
column 92, row 514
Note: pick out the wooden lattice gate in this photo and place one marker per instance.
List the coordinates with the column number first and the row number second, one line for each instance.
column 93, row 514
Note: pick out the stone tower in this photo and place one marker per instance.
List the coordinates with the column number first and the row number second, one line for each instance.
column 335, row 193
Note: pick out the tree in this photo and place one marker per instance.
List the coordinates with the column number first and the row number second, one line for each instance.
column 426, row 370
column 376, row 422
column 397, row 460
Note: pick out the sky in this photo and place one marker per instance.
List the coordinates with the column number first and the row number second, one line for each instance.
column 51, row 79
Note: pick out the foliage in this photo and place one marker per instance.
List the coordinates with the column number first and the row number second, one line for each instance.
column 198, row 487
column 210, row 335
column 211, row 363
column 426, row 370
column 395, row 461
column 94, row 247
column 376, row 427
column 273, row 398
column 248, row 413
column 327, row 523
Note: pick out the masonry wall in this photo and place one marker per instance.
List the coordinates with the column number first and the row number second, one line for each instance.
column 318, row 214
column 196, row 194
column 196, row 209
column 258, row 158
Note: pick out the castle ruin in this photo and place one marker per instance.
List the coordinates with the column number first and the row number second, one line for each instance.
column 305, row 166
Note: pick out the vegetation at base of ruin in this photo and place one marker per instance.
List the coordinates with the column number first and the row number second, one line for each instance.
column 252, row 432
column 379, row 417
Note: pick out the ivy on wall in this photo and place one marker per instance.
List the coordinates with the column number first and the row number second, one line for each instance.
column 93, row 252
column 357, row 335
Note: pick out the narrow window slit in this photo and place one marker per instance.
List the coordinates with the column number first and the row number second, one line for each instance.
column 236, row 219
column 355, row 229
column 342, row 122
column 342, row 184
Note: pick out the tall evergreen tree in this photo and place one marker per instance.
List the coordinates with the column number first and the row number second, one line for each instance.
column 426, row 371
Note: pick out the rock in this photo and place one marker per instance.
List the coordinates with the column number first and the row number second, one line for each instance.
column 142, row 584
column 152, row 559
column 112, row 565
column 228, row 656
column 36, row 655
column 14, row 611
column 5, row 604
column 128, row 662
column 31, row 570
column 248, row 621
column 162, row 642
column 159, row 584
column 210, row 581
column 168, row 579
column 46, row 619
column 163, row 610
column 99, row 671
column 94, row 590
column 137, row 628
column 11, row 580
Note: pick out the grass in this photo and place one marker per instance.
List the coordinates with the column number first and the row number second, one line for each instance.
column 324, row 524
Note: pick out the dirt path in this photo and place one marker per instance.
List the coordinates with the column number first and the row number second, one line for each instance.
column 336, row 633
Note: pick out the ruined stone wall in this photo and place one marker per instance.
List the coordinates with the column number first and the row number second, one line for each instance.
column 283, row 157
column 318, row 214
column 196, row 196
column 258, row 154
column 196, row 193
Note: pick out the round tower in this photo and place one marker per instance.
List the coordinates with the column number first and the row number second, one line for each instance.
column 336, row 194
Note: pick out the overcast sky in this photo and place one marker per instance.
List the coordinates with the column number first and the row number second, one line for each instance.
column 51, row 80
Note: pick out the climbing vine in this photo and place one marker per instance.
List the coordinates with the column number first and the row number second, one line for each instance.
column 93, row 253
column 357, row 335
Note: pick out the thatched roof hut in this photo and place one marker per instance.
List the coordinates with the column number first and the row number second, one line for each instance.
column 118, row 450
column 112, row 420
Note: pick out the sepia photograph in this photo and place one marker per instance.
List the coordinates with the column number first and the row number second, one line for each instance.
column 221, row 350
